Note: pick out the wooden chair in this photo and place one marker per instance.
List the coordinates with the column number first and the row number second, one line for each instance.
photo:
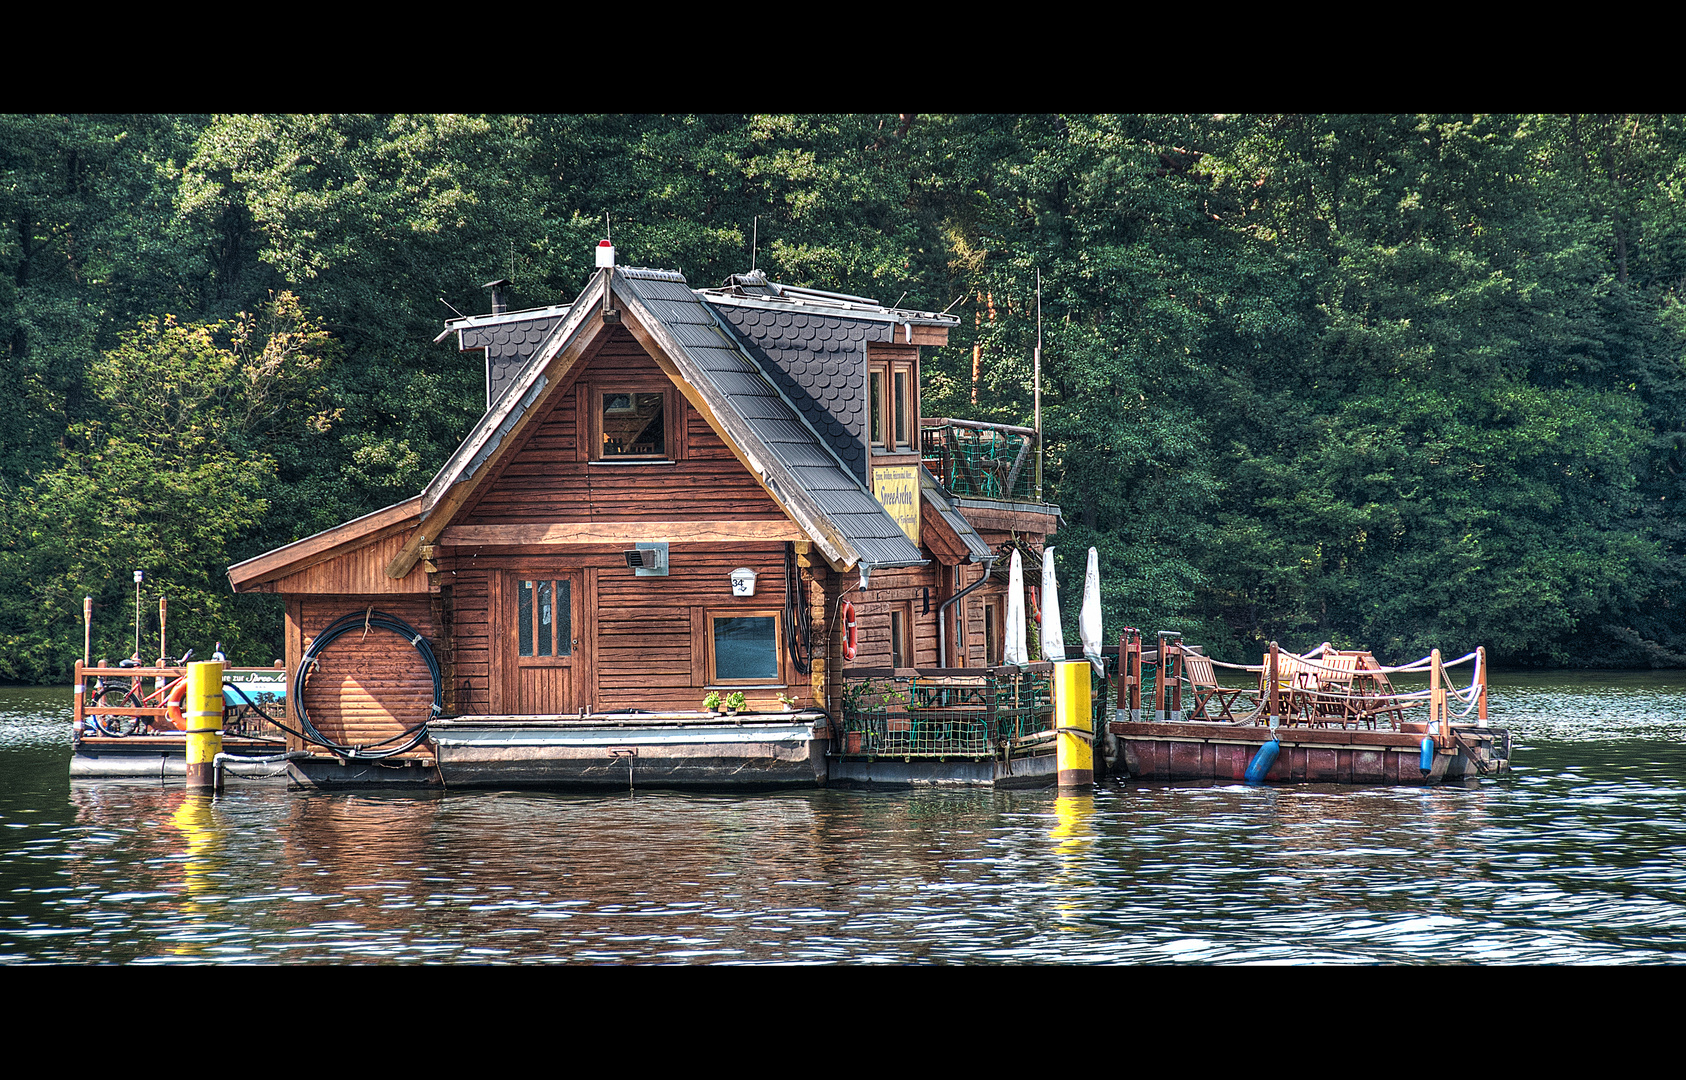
column 1372, row 693
column 1296, row 684
column 1333, row 701
column 1203, row 686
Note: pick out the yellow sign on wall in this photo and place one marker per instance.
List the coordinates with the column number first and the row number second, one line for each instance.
column 897, row 488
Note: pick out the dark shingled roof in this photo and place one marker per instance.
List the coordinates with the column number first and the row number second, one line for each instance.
column 743, row 386
column 819, row 361
column 509, row 339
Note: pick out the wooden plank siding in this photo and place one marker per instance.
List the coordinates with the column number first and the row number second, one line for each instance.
column 550, row 479
column 365, row 688
column 643, row 640
column 361, row 571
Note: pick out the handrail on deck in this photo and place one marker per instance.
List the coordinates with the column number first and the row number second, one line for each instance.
column 971, row 458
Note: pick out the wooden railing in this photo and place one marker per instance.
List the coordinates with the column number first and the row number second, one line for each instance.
column 116, row 682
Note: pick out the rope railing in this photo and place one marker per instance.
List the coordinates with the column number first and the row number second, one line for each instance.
column 1317, row 693
column 1305, row 661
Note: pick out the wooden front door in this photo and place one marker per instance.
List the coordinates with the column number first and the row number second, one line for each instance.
column 542, row 647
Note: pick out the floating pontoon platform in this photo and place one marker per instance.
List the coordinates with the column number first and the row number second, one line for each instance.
column 617, row 750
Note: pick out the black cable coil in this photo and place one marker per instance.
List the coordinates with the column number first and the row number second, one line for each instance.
column 344, row 624
column 798, row 633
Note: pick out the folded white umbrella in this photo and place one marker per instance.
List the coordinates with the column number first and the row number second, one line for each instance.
column 1015, row 651
column 1053, row 638
column 1089, row 619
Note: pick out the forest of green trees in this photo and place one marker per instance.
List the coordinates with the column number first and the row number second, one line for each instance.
column 1388, row 381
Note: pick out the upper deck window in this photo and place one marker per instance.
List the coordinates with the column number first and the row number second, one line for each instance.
column 892, row 405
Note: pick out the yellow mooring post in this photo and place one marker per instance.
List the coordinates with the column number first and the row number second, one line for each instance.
column 204, row 722
column 1074, row 723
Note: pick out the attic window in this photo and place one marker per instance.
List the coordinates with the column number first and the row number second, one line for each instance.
column 631, row 424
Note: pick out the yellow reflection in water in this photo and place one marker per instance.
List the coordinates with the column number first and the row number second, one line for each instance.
column 196, row 820
column 1072, row 834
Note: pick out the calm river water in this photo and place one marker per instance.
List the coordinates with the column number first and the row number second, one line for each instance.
column 1579, row 858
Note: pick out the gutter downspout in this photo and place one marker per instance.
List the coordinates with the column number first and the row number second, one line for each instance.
column 942, row 612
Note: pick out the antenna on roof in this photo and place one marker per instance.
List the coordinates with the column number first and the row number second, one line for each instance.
column 1038, row 378
column 950, row 307
column 899, row 299
column 447, row 303
column 754, row 240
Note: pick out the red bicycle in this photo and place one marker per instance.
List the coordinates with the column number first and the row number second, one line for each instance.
column 128, row 694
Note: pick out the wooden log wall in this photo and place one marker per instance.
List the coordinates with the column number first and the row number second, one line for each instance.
column 643, row 640
column 366, row 687
column 550, row 479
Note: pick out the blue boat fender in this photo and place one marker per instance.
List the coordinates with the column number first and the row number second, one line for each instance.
column 1262, row 761
column 1427, row 763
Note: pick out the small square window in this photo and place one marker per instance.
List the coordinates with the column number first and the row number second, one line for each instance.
column 744, row 648
column 631, row 424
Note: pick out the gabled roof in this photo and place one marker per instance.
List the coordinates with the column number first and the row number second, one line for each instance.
column 765, row 429
column 813, row 345
column 739, row 386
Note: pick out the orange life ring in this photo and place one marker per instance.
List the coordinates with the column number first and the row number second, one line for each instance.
column 1035, row 604
column 172, row 705
column 851, row 643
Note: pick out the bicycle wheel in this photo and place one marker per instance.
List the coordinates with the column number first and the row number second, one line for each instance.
column 117, row 697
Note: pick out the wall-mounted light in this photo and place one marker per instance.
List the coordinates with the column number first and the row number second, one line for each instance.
column 743, row 581
column 648, row 559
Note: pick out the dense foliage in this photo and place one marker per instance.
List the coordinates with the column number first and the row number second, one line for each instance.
column 1381, row 380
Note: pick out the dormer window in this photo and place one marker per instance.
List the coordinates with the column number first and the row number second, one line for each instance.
column 891, row 405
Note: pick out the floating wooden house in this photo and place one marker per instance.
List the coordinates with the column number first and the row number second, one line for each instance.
column 676, row 492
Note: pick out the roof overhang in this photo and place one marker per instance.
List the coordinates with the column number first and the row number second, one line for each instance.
column 320, row 547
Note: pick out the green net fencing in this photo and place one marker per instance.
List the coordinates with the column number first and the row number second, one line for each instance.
column 965, row 716
column 980, row 463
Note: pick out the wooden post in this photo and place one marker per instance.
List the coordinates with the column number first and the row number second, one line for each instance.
column 1439, row 720
column 1176, row 680
column 1159, row 685
column 1275, row 693
column 1136, row 674
column 163, row 614
column 1481, row 698
column 87, row 630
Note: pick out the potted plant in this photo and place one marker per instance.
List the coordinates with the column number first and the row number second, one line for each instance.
column 789, row 702
column 734, row 702
column 711, row 703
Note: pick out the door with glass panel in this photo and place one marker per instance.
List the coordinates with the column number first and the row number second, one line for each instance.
column 544, row 663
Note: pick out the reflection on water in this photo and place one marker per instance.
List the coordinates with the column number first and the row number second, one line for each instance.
column 1575, row 859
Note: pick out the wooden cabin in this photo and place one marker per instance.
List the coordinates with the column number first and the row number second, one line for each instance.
column 672, row 491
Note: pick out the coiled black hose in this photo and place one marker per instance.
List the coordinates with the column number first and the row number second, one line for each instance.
column 368, row 619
